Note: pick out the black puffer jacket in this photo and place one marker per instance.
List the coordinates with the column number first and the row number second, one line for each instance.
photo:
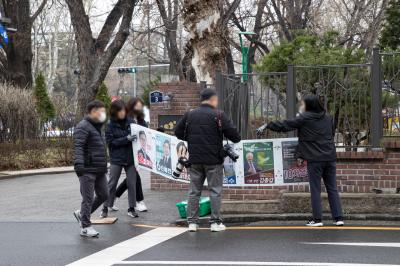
column 90, row 149
column 316, row 135
column 119, row 146
column 203, row 134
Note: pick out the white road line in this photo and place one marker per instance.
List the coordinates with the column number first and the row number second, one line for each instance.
column 361, row 244
column 255, row 263
column 130, row 247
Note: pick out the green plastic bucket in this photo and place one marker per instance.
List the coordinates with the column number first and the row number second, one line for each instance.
column 204, row 207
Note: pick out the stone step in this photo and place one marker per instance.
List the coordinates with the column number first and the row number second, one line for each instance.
column 250, row 206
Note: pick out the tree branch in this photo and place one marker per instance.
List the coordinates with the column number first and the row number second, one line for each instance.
column 38, row 11
column 109, row 26
column 230, row 11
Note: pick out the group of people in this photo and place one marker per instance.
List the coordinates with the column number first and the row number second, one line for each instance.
column 204, row 129
column 90, row 160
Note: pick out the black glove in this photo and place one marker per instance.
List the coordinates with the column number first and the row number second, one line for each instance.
column 261, row 130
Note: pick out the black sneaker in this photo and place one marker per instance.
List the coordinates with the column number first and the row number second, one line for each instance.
column 104, row 213
column 314, row 223
column 132, row 213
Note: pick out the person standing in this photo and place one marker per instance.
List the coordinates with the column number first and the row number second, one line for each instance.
column 316, row 131
column 204, row 128
column 134, row 111
column 119, row 141
column 90, row 164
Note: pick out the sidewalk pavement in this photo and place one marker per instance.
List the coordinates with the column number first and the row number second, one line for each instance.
column 52, row 197
column 30, row 172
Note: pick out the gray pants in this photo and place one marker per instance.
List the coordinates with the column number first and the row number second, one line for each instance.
column 131, row 176
column 89, row 185
column 198, row 174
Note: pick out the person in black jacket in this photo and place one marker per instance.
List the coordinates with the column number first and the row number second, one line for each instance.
column 316, row 131
column 90, row 163
column 135, row 111
column 204, row 128
column 119, row 141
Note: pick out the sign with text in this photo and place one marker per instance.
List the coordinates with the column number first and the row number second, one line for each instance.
column 156, row 97
column 262, row 162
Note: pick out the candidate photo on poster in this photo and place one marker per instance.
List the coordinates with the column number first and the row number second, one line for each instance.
column 182, row 151
column 144, row 158
column 258, row 163
column 292, row 171
column 163, row 154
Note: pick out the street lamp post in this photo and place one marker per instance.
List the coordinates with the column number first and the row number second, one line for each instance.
column 245, row 54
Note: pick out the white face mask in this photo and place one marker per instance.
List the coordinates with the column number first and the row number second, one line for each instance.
column 102, row 117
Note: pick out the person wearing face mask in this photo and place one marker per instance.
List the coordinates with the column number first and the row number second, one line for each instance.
column 119, row 141
column 135, row 112
column 90, row 164
column 316, row 131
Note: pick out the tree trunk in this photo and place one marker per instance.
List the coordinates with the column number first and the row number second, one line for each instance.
column 19, row 49
column 207, row 37
column 96, row 55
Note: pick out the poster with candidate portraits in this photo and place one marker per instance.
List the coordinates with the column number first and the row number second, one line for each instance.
column 144, row 150
column 258, row 162
column 292, row 172
column 262, row 162
column 163, row 154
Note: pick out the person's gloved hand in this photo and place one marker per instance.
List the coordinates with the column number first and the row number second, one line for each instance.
column 261, row 129
column 131, row 137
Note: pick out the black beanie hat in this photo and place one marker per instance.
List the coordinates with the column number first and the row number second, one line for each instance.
column 207, row 94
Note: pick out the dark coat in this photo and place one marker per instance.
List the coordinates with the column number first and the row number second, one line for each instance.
column 119, row 147
column 247, row 167
column 90, row 150
column 316, row 135
column 204, row 134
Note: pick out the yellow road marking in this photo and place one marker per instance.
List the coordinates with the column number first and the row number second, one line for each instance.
column 379, row 228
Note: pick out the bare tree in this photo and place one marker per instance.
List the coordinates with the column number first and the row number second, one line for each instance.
column 169, row 15
column 19, row 49
column 97, row 54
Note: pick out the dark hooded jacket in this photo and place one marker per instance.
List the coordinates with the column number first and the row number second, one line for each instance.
column 119, row 146
column 316, row 135
column 200, row 128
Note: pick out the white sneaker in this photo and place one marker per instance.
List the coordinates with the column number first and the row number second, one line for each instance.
column 193, row 227
column 141, row 207
column 89, row 232
column 338, row 223
column 77, row 215
column 215, row 227
column 313, row 223
column 114, row 208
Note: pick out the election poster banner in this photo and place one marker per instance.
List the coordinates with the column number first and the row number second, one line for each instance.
column 258, row 162
column 261, row 162
column 292, row 172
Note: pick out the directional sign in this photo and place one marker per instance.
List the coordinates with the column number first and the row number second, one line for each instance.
column 156, row 97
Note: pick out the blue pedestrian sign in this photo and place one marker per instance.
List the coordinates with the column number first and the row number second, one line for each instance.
column 156, row 97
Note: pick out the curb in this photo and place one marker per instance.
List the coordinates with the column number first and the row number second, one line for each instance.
column 251, row 218
column 6, row 175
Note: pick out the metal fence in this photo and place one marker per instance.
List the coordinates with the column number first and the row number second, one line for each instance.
column 390, row 68
column 362, row 98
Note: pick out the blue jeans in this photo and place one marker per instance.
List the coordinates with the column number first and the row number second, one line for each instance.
column 327, row 172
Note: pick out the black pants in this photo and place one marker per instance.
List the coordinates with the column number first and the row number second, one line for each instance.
column 327, row 172
column 123, row 187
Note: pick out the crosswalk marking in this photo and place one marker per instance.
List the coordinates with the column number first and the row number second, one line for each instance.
column 253, row 263
column 119, row 252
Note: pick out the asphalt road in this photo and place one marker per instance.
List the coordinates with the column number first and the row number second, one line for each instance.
column 37, row 228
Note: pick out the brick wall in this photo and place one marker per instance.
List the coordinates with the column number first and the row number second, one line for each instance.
column 357, row 172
